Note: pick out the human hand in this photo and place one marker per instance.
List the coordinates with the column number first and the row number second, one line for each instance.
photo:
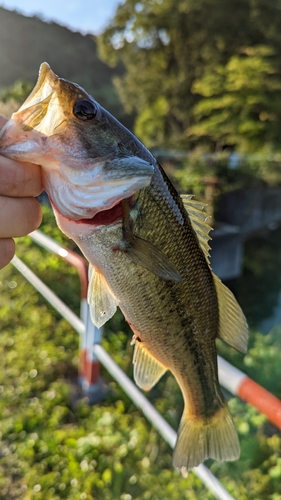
column 20, row 213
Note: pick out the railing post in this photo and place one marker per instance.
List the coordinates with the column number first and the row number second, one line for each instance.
column 90, row 377
column 89, row 369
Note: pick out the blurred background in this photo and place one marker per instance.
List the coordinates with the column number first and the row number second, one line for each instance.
column 199, row 82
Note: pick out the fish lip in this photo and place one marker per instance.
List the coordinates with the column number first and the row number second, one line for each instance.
column 43, row 71
column 16, row 149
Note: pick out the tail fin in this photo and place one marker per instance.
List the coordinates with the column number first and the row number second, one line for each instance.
column 200, row 439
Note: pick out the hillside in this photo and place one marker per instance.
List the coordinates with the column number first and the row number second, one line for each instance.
column 25, row 42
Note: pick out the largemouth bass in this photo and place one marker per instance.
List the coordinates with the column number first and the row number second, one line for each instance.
column 147, row 248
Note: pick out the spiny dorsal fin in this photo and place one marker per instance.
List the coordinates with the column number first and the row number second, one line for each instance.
column 198, row 217
column 102, row 303
column 233, row 328
column 147, row 370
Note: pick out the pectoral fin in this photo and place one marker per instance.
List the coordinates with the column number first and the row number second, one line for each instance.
column 148, row 256
column 233, row 328
column 147, row 370
column 102, row 303
column 144, row 253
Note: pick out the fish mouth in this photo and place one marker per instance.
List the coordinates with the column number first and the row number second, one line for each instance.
column 109, row 216
column 33, row 114
column 44, row 113
column 24, row 137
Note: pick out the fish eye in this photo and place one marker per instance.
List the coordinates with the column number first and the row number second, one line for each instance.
column 84, row 110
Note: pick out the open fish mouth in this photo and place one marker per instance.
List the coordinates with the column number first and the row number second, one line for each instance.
column 44, row 109
column 101, row 218
column 46, row 112
column 24, row 136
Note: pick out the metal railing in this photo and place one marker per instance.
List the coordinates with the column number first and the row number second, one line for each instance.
column 92, row 353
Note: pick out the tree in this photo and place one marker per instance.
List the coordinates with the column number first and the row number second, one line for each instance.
column 167, row 45
column 241, row 101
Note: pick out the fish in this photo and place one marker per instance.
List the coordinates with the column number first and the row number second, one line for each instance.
column 148, row 252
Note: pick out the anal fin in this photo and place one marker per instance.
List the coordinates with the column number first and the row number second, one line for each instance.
column 147, row 370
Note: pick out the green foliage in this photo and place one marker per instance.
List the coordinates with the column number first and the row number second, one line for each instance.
column 54, row 445
column 187, row 77
column 240, row 102
column 150, row 124
column 17, row 92
column 209, row 176
column 12, row 97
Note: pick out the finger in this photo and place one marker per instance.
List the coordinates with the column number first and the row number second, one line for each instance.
column 19, row 179
column 3, row 120
column 7, row 251
column 19, row 216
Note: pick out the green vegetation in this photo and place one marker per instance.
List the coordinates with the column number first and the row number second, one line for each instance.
column 240, row 101
column 205, row 174
column 199, row 73
column 54, row 446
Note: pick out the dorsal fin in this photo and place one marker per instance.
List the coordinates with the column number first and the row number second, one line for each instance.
column 198, row 217
column 233, row 328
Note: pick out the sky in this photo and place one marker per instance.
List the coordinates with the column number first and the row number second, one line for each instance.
column 86, row 16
